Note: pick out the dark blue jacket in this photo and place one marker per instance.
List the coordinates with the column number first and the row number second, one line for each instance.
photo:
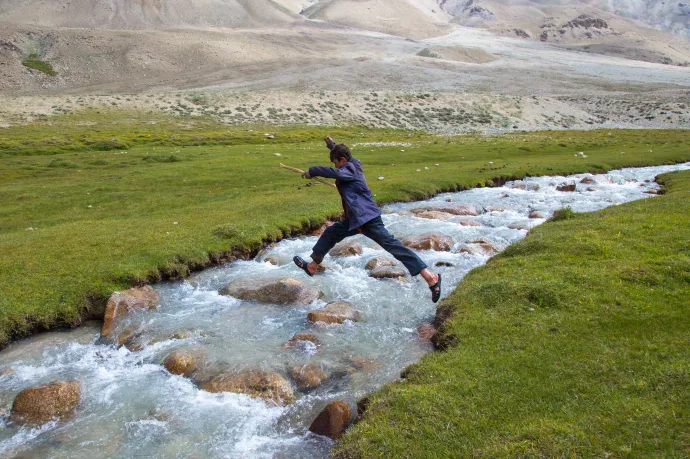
column 358, row 204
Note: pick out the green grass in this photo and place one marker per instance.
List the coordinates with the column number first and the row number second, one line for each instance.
column 118, row 199
column 572, row 343
column 41, row 66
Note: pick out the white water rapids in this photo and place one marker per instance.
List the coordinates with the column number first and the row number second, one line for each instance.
column 121, row 388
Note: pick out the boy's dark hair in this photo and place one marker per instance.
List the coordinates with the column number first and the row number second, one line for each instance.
column 340, row 151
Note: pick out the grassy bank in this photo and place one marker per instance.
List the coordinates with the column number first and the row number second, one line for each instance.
column 572, row 343
column 97, row 202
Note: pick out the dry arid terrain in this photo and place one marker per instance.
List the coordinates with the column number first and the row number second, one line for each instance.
column 445, row 66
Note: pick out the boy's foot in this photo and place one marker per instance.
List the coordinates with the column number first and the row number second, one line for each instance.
column 303, row 264
column 436, row 290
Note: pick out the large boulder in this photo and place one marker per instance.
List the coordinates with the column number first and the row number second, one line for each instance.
column 38, row 405
column 345, row 249
column 455, row 210
column 438, row 242
column 309, row 376
column 122, row 303
column 378, row 262
column 276, row 291
column 183, row 362
column 333, row 420
column 334, row 313
column 267, row 385
column 388, row 272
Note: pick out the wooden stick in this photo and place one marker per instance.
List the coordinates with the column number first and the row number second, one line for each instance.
column 294, row 169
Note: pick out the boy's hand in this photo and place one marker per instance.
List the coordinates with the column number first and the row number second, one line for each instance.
column 330, row 143
column 306, row 175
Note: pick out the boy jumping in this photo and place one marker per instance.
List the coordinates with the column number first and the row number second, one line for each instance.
column 362, row 216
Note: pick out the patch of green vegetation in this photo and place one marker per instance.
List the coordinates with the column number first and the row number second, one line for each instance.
column 103, row 219
column 563, row 214
column 33, row 62
column 571, row 343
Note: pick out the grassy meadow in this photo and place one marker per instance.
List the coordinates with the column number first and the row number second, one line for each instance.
column 574, row 342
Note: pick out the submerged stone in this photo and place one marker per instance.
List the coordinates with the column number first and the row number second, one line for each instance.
column 334, row 313
column 426, row 332
column 309, row 376
column 281, row 291
column 6, row 371
column 469, row 223
column 537, row 214
column 519, row 226
column 308, row 337
column 38, row 405
column 267, row 385
column 333, row 420
column 122, row 303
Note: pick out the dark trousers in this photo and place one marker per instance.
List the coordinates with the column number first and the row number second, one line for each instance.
column 373, row 229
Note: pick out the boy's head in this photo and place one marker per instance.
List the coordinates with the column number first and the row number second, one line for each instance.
column 340, row 152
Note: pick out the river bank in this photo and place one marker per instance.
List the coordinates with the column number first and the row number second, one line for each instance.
column 571, row 342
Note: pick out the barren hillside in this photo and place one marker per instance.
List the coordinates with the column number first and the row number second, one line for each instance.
column 144, row 14
column 416, row 19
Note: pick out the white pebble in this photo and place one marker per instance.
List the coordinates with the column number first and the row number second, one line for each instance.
column 650, row 151
column 491, row 162
column 29, row 229
column 436, row 165
column 175, row 223
column 419, row 170
column 426, row 168
column 90, row 206
column 402, row 150
column 381, row 178
column 277, row 154
column 622, row 152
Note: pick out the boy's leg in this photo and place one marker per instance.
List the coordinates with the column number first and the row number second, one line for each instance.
column 330, row 237
column 378, row 232
column 375, row 230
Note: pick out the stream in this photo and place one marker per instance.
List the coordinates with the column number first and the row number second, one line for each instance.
column 132, row 406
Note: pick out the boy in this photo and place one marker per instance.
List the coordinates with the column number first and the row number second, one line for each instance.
column 362, row 216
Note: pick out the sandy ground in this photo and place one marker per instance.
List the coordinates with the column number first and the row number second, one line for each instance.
column 277, row 63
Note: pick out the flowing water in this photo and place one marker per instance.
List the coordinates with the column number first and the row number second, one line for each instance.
column 131, row 406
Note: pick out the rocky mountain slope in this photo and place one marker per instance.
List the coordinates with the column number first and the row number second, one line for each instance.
column 572, row 25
